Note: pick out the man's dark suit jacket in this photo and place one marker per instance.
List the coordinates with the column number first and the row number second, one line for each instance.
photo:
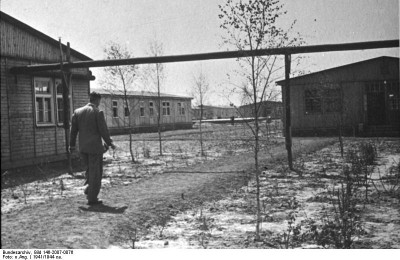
column 90, row 123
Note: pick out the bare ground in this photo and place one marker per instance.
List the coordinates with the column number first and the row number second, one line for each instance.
column 67, row 222
column 183, row 200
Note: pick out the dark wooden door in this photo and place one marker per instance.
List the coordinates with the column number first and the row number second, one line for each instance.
column 393, row 99
column 376, row 108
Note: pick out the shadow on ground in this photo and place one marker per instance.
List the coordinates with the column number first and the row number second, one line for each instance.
column 104, row 208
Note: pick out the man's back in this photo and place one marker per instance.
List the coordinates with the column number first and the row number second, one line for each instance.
column 89, row 122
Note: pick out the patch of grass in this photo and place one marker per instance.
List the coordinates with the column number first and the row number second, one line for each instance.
column 292, row 237
column 339, row 228
column 390, row 182
column 131, row 231
column 322, row 198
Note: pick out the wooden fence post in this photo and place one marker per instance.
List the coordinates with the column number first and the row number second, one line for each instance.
column 288, row 131
column 66, row 80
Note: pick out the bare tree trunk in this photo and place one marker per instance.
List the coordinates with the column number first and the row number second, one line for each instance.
column 156, row 49
column 159, row 112
column 341, row 123
column 341, row 139
column 159, row 135
column 130, row 145
column 200, row 90
column 129, row 123
column 256, row 149
column 201, row 132
column 122, row 76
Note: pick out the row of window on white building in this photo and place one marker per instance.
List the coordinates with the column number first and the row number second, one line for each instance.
column 50, row 108
column 165, row 109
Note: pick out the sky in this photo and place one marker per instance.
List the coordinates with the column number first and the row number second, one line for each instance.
column 192, row 26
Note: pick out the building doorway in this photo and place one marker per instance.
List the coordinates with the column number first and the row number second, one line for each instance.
column 383, row 103
column 393, row 103
column 376, row 108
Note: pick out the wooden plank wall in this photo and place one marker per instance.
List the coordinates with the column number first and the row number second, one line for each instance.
column 353, row 97
column 22, row 142
column 352, row 81
column 5, row 133
column 21, row 139
column 19, row 116
column 18, row 43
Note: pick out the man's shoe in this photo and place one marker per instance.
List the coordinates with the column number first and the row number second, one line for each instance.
column 97, row 202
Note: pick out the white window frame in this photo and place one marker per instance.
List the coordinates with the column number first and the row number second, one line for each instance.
column 179, row 106
column 166, row 108
column 151, row 108
column 181, row 109
column 313, row 101
column 114, row 107
column 141, row 109
column 43, row 96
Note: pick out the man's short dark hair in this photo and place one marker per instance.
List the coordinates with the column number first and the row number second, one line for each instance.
column 93, row 96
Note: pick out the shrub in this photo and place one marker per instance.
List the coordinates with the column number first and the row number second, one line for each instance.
column 364, row 154
column 146, row 152
column 360, row 160
column 390, row 182
column 131, row 231
column 340, row 228
column 368, row 153
column 292, row 237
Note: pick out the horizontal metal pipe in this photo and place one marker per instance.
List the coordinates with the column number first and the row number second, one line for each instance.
column 211, row 56
column 165, row 139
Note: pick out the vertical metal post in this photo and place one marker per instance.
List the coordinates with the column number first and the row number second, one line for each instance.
column 288, row 131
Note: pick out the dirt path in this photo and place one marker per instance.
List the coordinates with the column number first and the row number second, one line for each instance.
column 70, row 223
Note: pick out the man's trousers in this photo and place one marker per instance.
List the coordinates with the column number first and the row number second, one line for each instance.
column 94, row 166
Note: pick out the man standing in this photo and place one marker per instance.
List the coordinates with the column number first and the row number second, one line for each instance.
column 90, row 123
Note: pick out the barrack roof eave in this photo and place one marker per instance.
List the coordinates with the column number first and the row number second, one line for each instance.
column 41, row 35
column 282, row 82
column 146, row 94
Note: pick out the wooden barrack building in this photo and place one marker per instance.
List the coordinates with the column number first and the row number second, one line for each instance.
column 31, row 103
column 362, row 98
column 141, row 115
